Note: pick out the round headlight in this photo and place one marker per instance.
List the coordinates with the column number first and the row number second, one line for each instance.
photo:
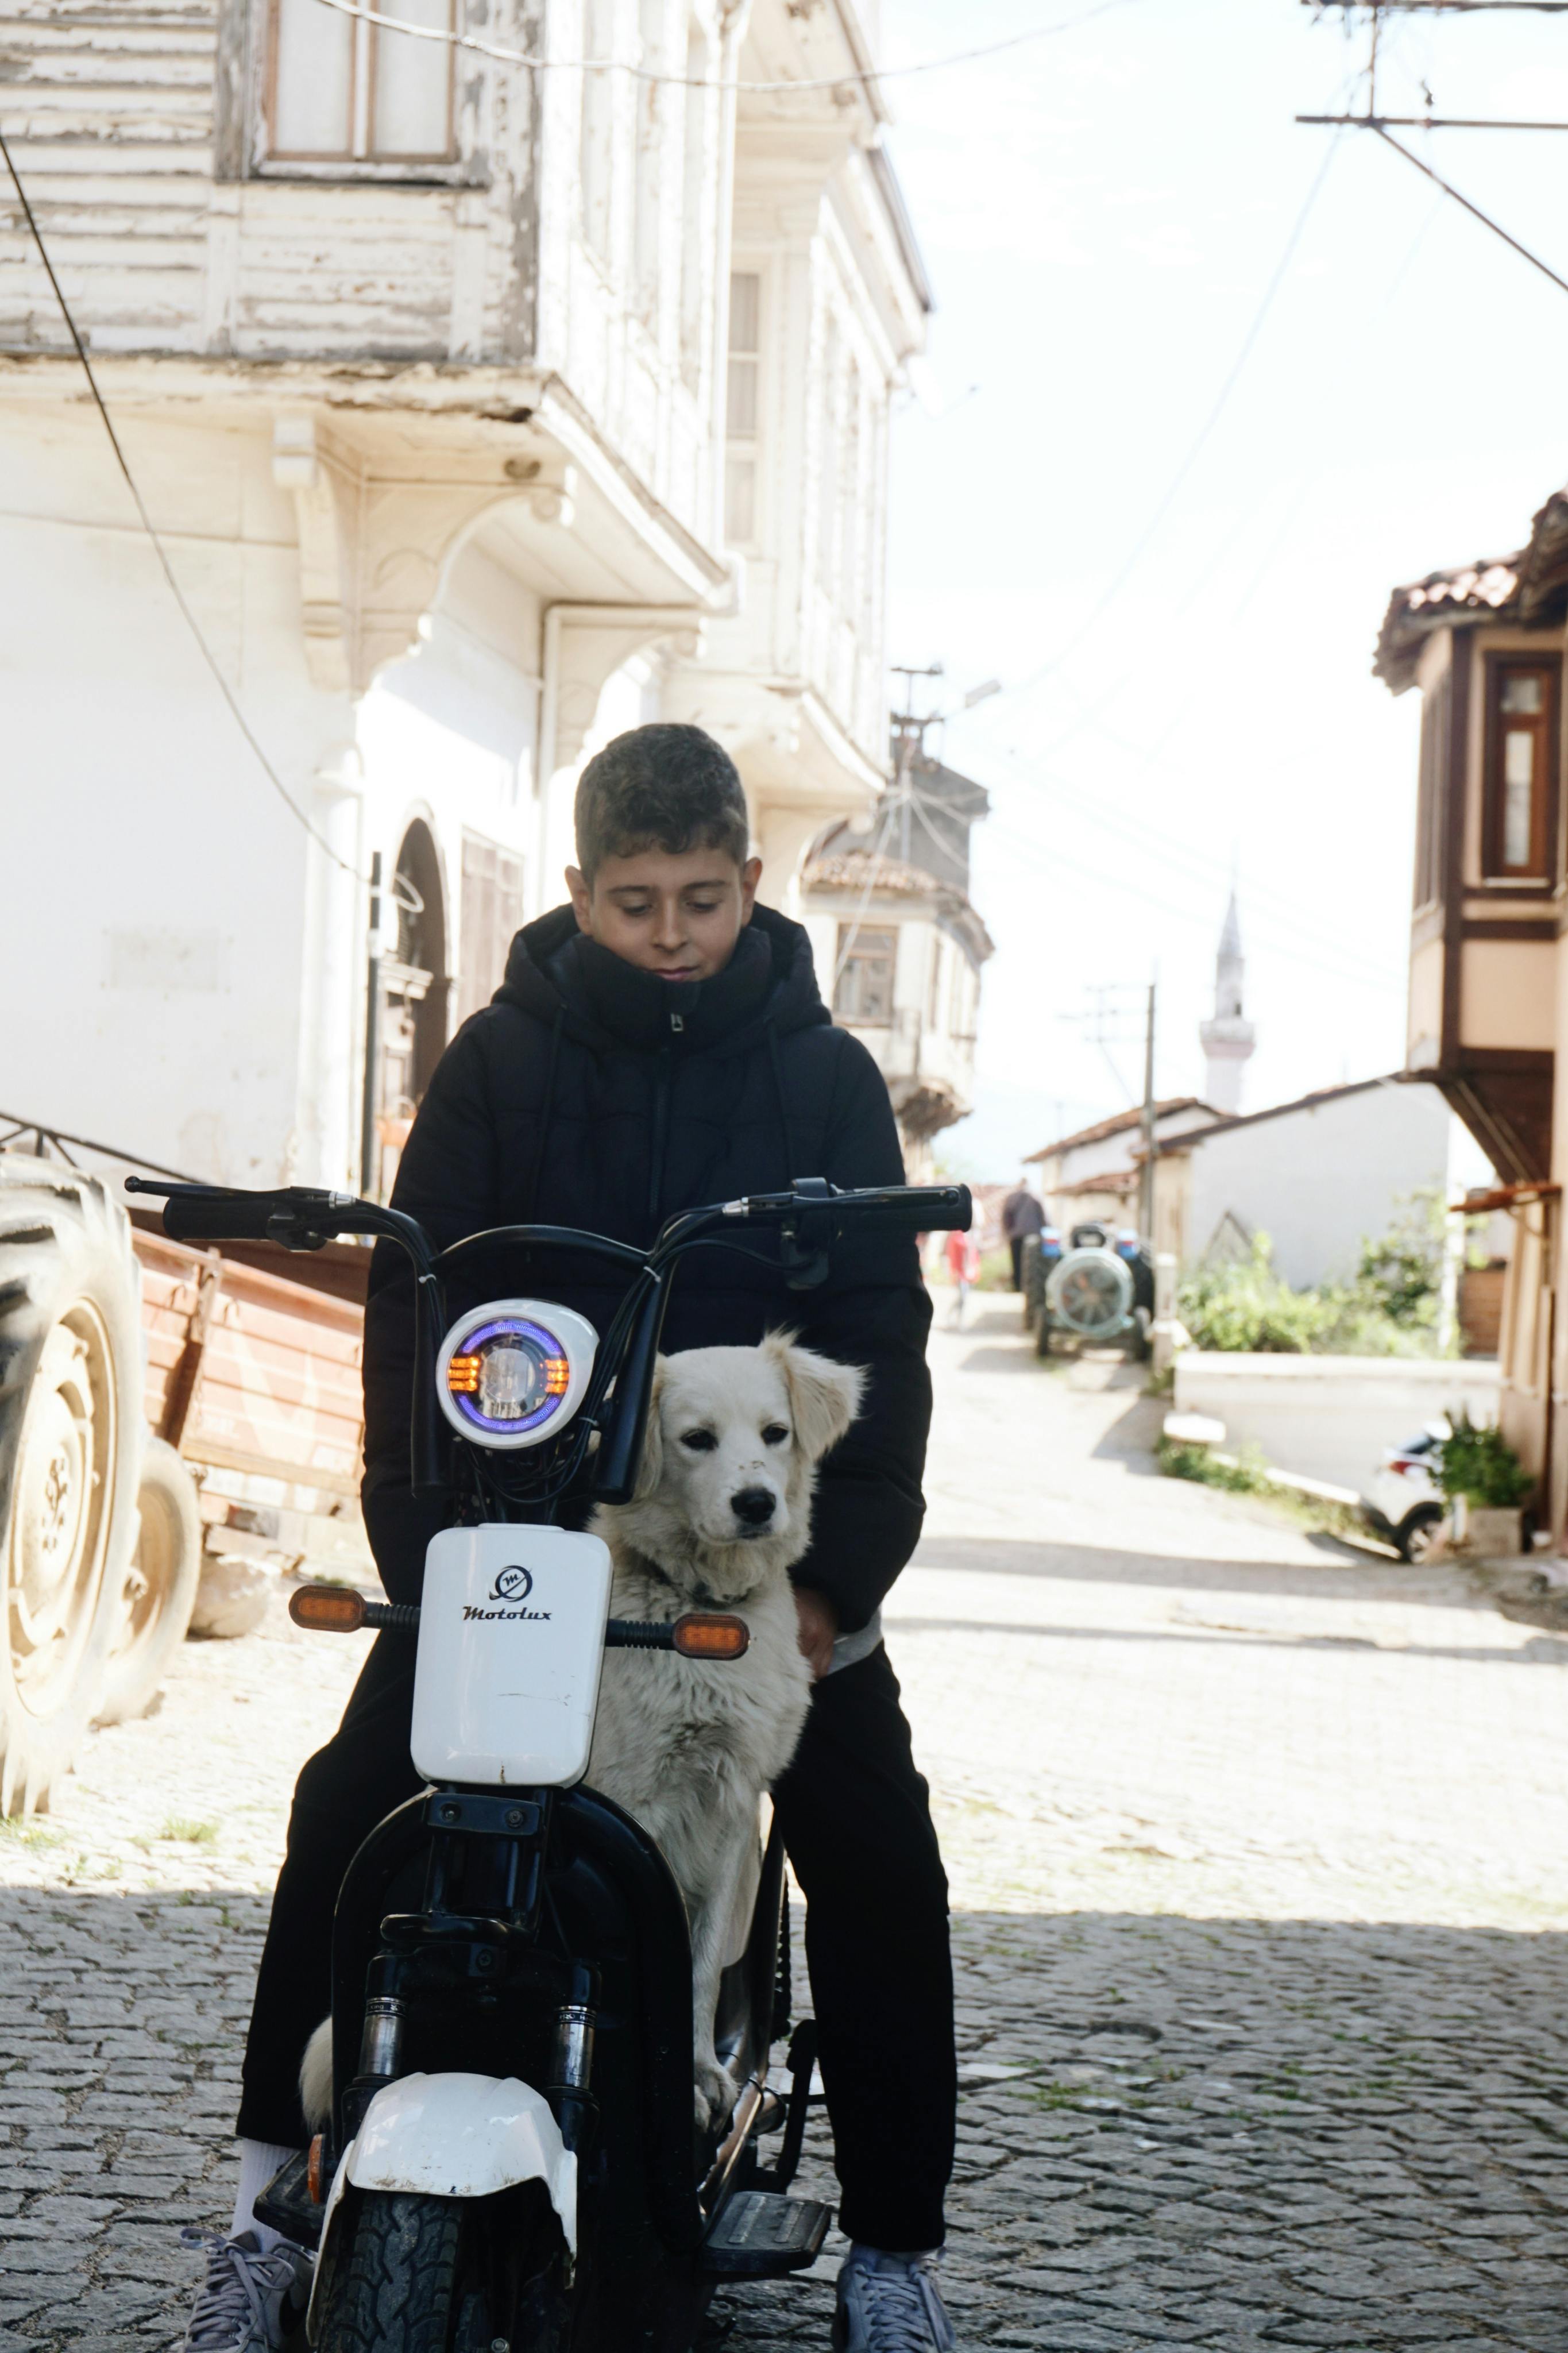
column 512, row 1372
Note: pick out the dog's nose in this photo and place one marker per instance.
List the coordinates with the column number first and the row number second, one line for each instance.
column 754, row 1505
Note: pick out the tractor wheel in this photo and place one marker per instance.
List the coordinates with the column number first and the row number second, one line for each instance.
column 71, row 1439
column 160, row 1589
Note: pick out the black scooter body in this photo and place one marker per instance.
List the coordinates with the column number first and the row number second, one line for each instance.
column 539, row 1934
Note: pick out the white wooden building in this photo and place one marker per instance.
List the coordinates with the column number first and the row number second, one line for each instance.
column 899, row 945
column 483, row 410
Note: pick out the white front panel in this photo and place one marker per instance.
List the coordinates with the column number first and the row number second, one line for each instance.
column 511, row 1640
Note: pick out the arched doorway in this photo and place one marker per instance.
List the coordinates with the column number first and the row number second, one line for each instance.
column 412, row 989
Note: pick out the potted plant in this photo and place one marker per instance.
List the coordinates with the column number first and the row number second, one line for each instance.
column 1486, row 1483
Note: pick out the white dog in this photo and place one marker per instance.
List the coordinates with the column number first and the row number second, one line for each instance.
column 721, row 1515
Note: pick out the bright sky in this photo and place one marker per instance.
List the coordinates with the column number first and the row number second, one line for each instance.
column 1102, row 213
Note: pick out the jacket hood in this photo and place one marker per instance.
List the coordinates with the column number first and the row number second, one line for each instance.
column 557, row 973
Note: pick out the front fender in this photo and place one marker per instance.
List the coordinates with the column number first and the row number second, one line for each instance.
column 454, row 2137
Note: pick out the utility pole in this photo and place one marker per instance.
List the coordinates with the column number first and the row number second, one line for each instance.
column 1146, row 1173
column 911, row 739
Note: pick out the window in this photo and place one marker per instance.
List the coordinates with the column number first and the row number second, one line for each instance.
column 594, row 157
column 742, row 404
column 1519, row 785
column 652, row 162
column 864, row 989
column 694, row 207
column 492, row 912
column 828, row 459
column 933, row 1003
column 850, row 504
column 1429, row 797
column 344, row 91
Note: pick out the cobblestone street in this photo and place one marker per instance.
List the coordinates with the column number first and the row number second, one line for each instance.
column 1259, row 1854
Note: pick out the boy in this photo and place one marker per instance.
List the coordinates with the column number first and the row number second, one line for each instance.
column 657, row 1044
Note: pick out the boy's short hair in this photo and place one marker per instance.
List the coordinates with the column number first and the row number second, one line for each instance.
column 664, row 787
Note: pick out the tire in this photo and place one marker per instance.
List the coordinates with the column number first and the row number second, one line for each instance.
column 1042, row 1332
column 160, row 1589
column 1416, row 1532
column 71, row 1437
column 416, row 2275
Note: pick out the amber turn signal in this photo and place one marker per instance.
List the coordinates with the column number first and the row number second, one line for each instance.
column 328, row 1608
column 315, row 2166
column 703, row 1634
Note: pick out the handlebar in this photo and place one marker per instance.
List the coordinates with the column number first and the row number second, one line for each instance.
column 808, row 1219
column 902, row 1208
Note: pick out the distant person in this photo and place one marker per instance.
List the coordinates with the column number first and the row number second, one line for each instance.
column 1021, row 1217
column 963, row 1265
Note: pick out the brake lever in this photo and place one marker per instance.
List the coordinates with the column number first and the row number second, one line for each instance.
column 807, row 1234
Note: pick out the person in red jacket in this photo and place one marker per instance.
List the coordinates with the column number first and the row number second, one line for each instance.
column 658, row 1043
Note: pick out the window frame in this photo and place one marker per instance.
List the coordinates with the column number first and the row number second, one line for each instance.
column 457, row 168
column 850, row 949
column 1538, row 873
column 746, row 449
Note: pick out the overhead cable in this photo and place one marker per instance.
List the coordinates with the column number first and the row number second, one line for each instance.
column 1485, row 218
column 267, row 770
column 1141, row 544
column 867, row 76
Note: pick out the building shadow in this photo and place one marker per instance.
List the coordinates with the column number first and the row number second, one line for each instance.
column 1346, row 1575
column 1221, row 2132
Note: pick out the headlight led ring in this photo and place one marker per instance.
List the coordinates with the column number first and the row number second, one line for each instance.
column 512, row 1372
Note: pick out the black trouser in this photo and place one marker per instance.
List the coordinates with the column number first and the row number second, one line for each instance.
column 858, row 1827
column 1016, row 1244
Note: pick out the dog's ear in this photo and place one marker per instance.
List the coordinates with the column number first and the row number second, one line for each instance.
column 650, row 1471
column 824, row 1397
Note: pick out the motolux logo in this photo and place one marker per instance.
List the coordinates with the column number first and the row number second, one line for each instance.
column 511, row 1588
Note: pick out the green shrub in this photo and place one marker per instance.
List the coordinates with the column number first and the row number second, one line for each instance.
column 1249, row 1305
column 1480, row 1464
column 1390, row 1307
column 1247, row 1474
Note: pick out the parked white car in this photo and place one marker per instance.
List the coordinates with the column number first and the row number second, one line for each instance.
column 1404, row 1503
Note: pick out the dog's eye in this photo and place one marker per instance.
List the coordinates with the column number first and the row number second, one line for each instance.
column 701, row 1441
column 775, row 1434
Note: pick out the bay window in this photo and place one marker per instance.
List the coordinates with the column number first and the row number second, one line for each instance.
column 1519, row 784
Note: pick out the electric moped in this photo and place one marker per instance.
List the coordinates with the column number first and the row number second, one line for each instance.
column 512, row 2163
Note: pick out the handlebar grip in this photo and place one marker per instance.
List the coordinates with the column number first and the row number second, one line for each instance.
column 220, row 1216
column 927, row 1208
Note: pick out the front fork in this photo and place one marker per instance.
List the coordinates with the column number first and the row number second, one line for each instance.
column 489, row 1852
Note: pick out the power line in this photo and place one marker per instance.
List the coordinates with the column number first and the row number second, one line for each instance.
column 1485, row 218
column 267, row 770
column 866, row 76
column 1142, row 544
column 1204, row 869
column 1053, row 858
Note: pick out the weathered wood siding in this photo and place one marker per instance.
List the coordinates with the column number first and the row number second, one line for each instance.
column 110, row 110
column 108, row 115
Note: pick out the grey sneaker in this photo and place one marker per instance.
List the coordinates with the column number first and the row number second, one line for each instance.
column 889, row 2304
column 249, row 2302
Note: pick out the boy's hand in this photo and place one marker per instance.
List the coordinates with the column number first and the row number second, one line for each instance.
column 818, row 1629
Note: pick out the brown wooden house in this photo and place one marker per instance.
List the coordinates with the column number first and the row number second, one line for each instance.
column 1485, row 645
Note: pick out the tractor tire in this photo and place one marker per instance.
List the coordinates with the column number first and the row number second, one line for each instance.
column 1043, row 1328
column 417, row 2275
column 160, row 1590
column 71, row 1437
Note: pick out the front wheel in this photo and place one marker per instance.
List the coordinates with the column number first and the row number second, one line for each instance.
column 415, row 2275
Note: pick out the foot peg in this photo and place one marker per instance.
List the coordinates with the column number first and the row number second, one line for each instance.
column 761, row 2235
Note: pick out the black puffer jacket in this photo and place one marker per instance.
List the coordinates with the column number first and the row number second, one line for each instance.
column 589, row 1093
